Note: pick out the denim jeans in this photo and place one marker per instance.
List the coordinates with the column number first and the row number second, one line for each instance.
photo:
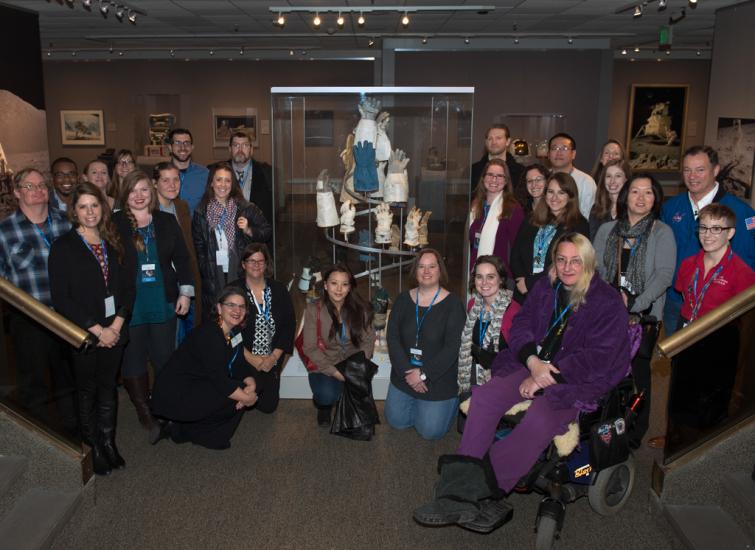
column 671, row 313
column 325, row 389
column 431, row 419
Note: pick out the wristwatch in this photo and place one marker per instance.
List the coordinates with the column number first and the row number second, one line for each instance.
column 422, row 376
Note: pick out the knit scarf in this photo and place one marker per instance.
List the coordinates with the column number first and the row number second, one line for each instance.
column 215, row 215
column 635, row 270
column 490, row 340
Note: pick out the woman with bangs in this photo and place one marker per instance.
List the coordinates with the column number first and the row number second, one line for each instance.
column 557, row 214
column 124, row 164
column 611, row 180
column 96, row 172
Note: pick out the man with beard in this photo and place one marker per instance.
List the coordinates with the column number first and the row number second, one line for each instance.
column 65, row 175
column 193, row 176
column 497, row 141
column 255, row 178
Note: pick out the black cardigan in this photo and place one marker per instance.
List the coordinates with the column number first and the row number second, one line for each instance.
column 283, row 314
column 171, row 250
column 522, row 253
column 78, row 287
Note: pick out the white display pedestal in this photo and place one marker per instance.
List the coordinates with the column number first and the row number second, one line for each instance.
column 295, row 384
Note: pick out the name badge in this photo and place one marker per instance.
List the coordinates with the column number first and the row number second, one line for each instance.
column 537, row 269
column 149, row 274
column 236, row 340
column 415, row 357
column 477, row 240
column 221, row 259
column 109, row 306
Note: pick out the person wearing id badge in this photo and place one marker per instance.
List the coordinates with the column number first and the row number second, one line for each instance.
column 201, row 394
column 495, row 215
column 345, row 328
column 703, row 375
column 490, row 313
column 92, row 285
column 424, row 334
column 636, row 254
column 556, row 214
column 164, row 285
column 269, row 326
column 224, row 223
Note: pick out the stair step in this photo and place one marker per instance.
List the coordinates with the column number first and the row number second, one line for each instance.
column 11, row 468
column 37, row 518
column 707, row 528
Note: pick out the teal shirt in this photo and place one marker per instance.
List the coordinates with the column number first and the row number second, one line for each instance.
column 150, row 305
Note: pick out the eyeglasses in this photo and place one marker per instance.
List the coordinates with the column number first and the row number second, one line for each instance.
column 31, row 187
column 254, row 262
column 233, row 306
column 126, row 162
column 493, row 176
column 241, row 146
column 561, row 148
column 182, row 143
column 69, row 175
column 533, row 181
column 714, row 229
column 563, row 262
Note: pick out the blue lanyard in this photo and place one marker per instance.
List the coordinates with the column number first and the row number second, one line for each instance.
column 484, row 325
column 555, row 308
column 419, row 319
column 263, row 308
column 485, row 212
column 147, row 237
column 103, row 268
column 633, row 248
column 230, row 363
column 342, row 339
column 699, row 299
column 544, row 237
column 41, row 233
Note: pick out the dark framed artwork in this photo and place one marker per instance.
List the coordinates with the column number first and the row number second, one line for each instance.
column 656, row 126
column 318, row 128
column 227, row 121
column 735, row 143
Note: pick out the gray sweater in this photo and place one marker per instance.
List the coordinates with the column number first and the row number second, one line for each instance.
column 659, row 268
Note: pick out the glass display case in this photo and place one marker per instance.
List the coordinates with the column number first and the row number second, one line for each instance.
column 315, row 130
column 530, row 133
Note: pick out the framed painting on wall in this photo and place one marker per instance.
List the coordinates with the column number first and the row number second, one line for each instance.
column 735, row 143
column 227, row 121
column 656, row 126
column 82, row 128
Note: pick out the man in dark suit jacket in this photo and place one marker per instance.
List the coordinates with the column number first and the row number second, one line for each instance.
column 497, row 141
column 255, row 178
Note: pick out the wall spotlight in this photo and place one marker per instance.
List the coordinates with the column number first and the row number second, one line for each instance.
column 466, row 40
column 424, row 40
column 87, row 4
column 624, row 51
column 516, row 41
column 570, row 40
column 316, row 21
column 636, row 49
column 132, row 17
column 212, row 52
column 281, row 20
column 241, row 50
column 637, row 11
column 121, row 53
column 290, row 52
column 104, row 7
column 661, row 5
column 172, row 53
column 405, row 20
column 340, row 21
column 693, row 4
column 361, row 19
column 119, row 13
column 668, row 52
column 697, row 53
column 370, row 43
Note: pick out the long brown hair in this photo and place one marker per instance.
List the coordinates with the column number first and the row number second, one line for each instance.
column 570, row 216
column 602, row 207
column 355, row 312
column 129, row 182
column 106, row 227
column 114, row 189
column 209, row 192
column 480, row 193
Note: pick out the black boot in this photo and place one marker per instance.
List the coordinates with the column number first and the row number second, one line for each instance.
column 467, row 495
column 161, row 430
column 323, row 414
column 107, row 409
column 138, row 391
column 88, row 423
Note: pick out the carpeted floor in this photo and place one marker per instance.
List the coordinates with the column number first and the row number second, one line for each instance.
column 286, row 483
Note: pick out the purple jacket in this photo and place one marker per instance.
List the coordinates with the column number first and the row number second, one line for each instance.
column 594, row 355
column 504, row 237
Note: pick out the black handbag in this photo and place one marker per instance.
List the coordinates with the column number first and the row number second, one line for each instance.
column 355, row 412
column 651, row 329
column 609, row 439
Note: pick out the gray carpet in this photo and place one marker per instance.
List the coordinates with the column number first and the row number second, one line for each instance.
column 285, row 483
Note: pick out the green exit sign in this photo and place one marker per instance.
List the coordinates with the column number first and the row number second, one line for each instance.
column 665, row 37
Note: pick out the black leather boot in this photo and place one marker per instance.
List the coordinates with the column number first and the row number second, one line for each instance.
column 88, row 423
column 107, row 409
column 323, row 414
column 138, row 391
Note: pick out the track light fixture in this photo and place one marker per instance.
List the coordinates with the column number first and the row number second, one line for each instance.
column 424, row 40
column 636, row 49
column 405, row 20
column 624, row 51
column 281, row 21
column 570, row 40
column 316, row 21
column 637, row 11
column 516, row 41
column 370, row 43
column 104, row 7
column 693, row 4
column 340, row 21
column 119, row 13
column 466, row 40
column 661, row 5
column 361, row 20
column 172, row 53
column 132, row 17
column 87, row 4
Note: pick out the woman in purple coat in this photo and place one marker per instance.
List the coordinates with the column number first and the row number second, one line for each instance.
column 568, row 340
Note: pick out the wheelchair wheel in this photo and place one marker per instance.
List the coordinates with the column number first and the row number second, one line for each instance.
column 612, row 488
column 546, row 533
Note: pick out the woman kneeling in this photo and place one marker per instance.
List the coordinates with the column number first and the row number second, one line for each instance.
column 570, row 341
column 206, row 384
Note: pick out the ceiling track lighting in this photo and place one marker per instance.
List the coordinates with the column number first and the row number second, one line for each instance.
column 570, row 40
column 624, row 51
column 87, row 4
column 280, row 21
column 405, row 19
column 637, row 11
column 661, row 5
column 361, row 19
column 424, row 40
column 466, row 41
column 340, row 21
column 370, row 43
column 317, row 21
column 516, row 41
column 122, row 10
column 692, row 4
column 104, row 7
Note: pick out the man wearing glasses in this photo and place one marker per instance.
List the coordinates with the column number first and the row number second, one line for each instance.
column 562, row 150
column 25, row 240
column 497, row 140
column 255, row 178
column 193, row 176
column 699, row 170
column 65, row 175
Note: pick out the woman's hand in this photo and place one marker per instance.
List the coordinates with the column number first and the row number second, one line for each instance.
column 243, row 224
column 414, row 381
column 338, row 376
column 108, row 338
column 182, row 305
column 541, row 371
column 625, row 298
column 520, row 285
column 528, row 387
column 266, row 363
